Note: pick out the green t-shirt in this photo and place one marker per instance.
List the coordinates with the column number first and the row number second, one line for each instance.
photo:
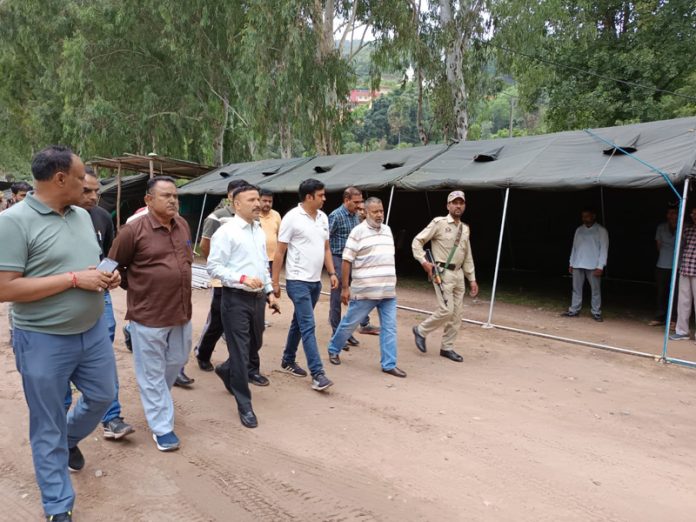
column 37, row 242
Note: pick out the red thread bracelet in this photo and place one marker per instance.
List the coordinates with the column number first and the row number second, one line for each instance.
column 73, row 279
column 242, row 279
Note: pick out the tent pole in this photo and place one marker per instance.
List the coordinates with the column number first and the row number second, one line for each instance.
column 391, row 197
column 604, row 220
column 497, row 259
column 200, row 220
column 675, row 265
column 118, row 198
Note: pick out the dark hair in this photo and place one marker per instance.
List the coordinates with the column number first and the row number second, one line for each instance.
column 589, row 208
column 153, row 181
column 90, row 171
column 244, row 188
column 21, row 186
column 52, row 159
column 265, row 192
column 308, row 187
column 350, row 192
column 236, row 184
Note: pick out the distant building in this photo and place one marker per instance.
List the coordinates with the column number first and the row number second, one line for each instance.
column 365, row 96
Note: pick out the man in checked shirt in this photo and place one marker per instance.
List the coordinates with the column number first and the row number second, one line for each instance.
column 687, row 280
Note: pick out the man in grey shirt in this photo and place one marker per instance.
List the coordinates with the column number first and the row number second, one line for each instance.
column 664, row 241
column 60, row 334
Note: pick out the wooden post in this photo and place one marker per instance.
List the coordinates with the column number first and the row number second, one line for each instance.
column 118, row 198
column 152, row 169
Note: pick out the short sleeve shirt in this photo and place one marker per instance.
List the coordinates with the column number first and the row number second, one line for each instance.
column 306, row 239
column 38, row 242
column 371, row 253
column 665, row 236
column 215, row 220
column 271, row 227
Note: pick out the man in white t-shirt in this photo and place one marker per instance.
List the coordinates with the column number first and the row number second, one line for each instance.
column 304, row 235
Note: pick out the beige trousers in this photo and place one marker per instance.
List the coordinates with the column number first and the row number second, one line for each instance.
column 450, row 314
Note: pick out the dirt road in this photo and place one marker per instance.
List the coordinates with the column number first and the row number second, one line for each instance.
column 524, row 429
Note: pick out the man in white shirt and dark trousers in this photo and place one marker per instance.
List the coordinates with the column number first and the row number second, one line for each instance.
column 238, row 259
column 304, row 235
column 587, row 261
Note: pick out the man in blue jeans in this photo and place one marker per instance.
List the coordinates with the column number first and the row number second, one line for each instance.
column 60, row 334
column 369, row 253
column 304, row 235
column 114, row 426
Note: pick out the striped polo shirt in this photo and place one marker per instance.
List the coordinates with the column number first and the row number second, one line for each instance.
column 371, row 253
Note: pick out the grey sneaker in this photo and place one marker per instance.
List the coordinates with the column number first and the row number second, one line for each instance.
column 117, row 428
column 293, row 369
column 320, row 382
column 678, row 337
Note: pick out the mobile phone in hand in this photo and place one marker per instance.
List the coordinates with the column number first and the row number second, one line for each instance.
column 107, row 265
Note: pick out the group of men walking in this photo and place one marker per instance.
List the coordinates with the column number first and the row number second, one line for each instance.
column 62, row 259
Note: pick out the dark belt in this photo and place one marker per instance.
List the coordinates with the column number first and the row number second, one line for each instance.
column 448, row 267
column 258, row 294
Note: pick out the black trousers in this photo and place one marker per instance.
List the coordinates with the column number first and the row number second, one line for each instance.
column 212, row 331
column 662, row 281
column 242, row 319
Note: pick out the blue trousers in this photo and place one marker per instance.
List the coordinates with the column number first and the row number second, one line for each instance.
column 335, row 299
column 47, row 363
column 357, row 311
column 304, row 296
column 115, row 408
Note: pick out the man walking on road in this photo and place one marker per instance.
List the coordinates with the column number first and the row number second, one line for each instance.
column 238, row 259
column 369, row 254
column 304, row 235
column 449, row 238
column 112, row 421
column 212, row 330
column 154, row 253
column 60, row 333
column 587, row 261
column 341, row 222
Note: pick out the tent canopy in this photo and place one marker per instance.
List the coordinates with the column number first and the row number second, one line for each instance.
column 366, row 171
column 256, row 173
column 572, row 160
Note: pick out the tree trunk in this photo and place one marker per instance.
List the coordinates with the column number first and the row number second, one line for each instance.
column 285, row 138
column 422, row 135
column 219, row 141
column 459, row 31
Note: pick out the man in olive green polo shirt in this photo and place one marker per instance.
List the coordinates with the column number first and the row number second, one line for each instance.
column 47, row 270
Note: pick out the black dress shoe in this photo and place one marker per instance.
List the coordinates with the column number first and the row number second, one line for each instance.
column 420, row 340
column 352, row 341
column 451, row 355
column 222, row 372
column 396, row 372
column 258, row 379
column 206, row 366
column 183, row 380
column 334, row 359
column 248, row 418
